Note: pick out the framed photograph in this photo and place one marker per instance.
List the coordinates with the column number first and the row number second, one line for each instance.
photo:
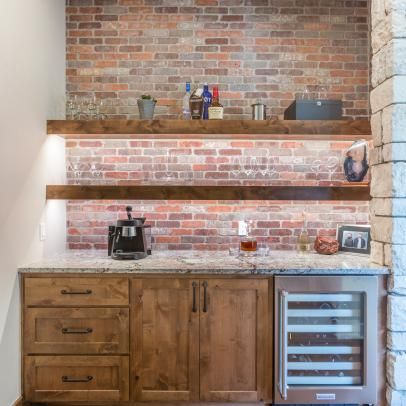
column 354, row 238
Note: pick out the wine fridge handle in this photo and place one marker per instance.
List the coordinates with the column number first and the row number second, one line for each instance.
column 283, row 345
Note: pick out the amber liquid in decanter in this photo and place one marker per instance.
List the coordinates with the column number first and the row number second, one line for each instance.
column 249, row 245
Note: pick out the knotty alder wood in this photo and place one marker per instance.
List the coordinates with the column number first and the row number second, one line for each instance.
column 347, row 191
column 76, row 378
column 73, row 291
column 166, row 340
column 76, row 331
column 340, row 130
column 234, row 340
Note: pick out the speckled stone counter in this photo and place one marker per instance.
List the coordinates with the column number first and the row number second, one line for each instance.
column 185, row 262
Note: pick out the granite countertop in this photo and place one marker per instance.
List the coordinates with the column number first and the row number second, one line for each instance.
column 218, row 262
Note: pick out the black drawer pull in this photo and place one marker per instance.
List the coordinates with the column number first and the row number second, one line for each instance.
column 67, row 330
column 73, row 379
column 76, row 292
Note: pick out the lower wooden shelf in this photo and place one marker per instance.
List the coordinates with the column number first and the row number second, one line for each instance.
column 346, row 191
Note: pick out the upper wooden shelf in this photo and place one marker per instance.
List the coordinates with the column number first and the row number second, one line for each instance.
column 338, row 130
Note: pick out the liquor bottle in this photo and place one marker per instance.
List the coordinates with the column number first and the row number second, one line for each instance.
column 303, row 244
column 216, row 109
column 248, row 243
column 206, row 101
column 186, row 105
column 196, row 104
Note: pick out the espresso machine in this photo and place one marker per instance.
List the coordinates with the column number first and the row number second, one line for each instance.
column 130, row 238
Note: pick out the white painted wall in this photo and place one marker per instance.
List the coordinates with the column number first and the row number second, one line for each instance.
column 32, row 87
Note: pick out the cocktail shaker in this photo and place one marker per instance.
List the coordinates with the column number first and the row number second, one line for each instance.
column 258, row 111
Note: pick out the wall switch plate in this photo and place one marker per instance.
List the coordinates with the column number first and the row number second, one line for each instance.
column 42, row 232
column 242, row 228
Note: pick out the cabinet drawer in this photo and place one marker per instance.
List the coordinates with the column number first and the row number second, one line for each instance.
column 76, row 291
column 76, row 331
column 78, row 378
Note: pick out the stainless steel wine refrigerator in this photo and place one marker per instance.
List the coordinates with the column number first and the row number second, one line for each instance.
column 326, row 342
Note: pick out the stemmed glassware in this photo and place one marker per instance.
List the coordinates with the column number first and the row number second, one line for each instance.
column 83, row 108
column 80, row 170
column 331, row 166
column 72, row 107
column 253, row 167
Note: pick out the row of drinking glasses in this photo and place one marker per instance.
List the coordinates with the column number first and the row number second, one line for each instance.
column 84, row 108
column 79, row 168
column 241, row 168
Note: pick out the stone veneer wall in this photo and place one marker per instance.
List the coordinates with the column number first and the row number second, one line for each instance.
column 209, row 225
column 269, row 49
column 388, row 207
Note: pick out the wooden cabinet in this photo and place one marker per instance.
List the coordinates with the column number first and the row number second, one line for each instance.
column 166, row 340
column 233, row 340
column 76, row 339
column 201, row 340
column 146, row 339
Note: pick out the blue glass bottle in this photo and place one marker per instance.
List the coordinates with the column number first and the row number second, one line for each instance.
column 206, row 101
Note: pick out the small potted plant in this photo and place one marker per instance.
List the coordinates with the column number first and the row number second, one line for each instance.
column 146, row 107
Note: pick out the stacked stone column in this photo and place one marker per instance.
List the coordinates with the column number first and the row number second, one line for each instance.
column 388, row 169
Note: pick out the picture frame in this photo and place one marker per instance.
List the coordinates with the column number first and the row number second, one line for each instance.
column 354, row 238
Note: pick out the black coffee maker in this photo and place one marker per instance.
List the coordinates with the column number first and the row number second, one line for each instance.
column 130, row 238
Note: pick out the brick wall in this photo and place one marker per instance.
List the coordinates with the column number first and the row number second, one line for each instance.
column 208, row 225
column 268, row 49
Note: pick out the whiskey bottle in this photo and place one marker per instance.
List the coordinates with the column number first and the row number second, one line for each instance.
column 196, row 104
column 216, row 109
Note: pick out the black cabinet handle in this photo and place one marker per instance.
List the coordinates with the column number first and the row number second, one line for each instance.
column 73, row 379
column 76, row 292
column 205, row 284
column 67, row 330
column 194, row 306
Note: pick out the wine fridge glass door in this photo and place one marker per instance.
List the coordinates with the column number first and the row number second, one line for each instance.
column 323, row 347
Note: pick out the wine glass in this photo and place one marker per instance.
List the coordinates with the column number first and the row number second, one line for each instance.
column 95, row 171
column 316, row 167
column 91, row 108
column 171, row 159
column 236, row 167
column 72, row 107
column 332, row 165
column 99, row 108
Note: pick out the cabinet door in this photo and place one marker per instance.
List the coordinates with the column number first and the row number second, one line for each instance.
column 233, row 340
column 166, row 333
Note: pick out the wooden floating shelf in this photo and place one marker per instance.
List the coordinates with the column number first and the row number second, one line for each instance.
column 338, row 130
column 353, row 192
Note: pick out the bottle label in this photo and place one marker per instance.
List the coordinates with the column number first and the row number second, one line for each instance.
column 216, row 113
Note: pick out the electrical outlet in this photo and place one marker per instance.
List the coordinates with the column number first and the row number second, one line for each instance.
column 42, row 232
column 242, row 228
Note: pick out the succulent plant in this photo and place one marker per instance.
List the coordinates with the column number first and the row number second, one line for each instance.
column 148, row 97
